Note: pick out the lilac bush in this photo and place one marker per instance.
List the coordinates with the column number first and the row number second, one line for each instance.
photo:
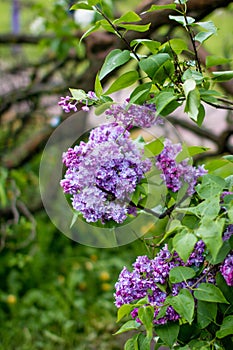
column 183, row 295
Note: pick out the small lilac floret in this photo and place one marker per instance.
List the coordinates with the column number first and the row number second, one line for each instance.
column 175, row 174
column 91, row 95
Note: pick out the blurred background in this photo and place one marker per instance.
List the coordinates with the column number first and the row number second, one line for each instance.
column 56, row 293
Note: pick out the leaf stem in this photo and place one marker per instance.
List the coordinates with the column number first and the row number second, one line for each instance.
column 190, row 33
column 118, row 32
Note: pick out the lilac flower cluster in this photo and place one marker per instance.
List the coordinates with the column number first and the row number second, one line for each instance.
column 148, row 274
column 134, row 115
column 175, row 174
column 69, row 104
column 103, row 173
column 226, row 269
column 228, row 233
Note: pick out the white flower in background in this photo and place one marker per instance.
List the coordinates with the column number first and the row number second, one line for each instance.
column 38, row 25
column 83, row 17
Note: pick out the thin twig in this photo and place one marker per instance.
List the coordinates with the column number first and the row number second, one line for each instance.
column 118, row 32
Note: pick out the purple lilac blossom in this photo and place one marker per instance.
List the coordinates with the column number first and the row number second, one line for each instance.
column 134, row 115
column 103, row 173
column 228, row 233
column 175, row 174
column 147, row 273
column 69, row 104
column 225, row 193
column 226, row 269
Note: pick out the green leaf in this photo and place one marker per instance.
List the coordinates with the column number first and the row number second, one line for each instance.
column 229, row 157
column 129, row 345
column 168, row 333
column 93, row 2
column 192, row 74
column 124, row 310
column 209, row 26
column 136, row 27
column 206, row 313
column 211, row 30
column 136, row 195
column 114, row 59
column 123, row 82
column 130, row 16
column 152, row 45
column 81, row 5
column 201, row 115
column 102, row 108
column 226, row 327
column 151, row 64
column 193, row 150
column 216, row 61
column 183, row 304
column 222, row 76
column 78, row 94
column 192, row 99
column 163, row 99
column 181, row 20
column 183, row 243
column 160, row 7
column 178, row 45
column 181, row 273
column 226, row 290
column 209, row 208
column 197, row 344
column 128, row 326
column 74, row 219
column 211, row 233
column 140, row 93
column 146, row 315
column 209, row 292
column 106, row 26
column 209, row 95
column 153, row 148
column 90, row 30
column 211, row 186
column 202, row 36
column 98, row 86
column 215, row 164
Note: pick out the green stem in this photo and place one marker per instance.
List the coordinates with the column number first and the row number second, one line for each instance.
column 117, row 32
column 190, row 33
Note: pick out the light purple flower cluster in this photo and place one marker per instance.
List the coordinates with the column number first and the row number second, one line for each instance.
column 148, row 274
column 134, row 115
column 103, row 173
column 69, row 104
column 228, row 233
column 226, row 269
column 176, row 174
